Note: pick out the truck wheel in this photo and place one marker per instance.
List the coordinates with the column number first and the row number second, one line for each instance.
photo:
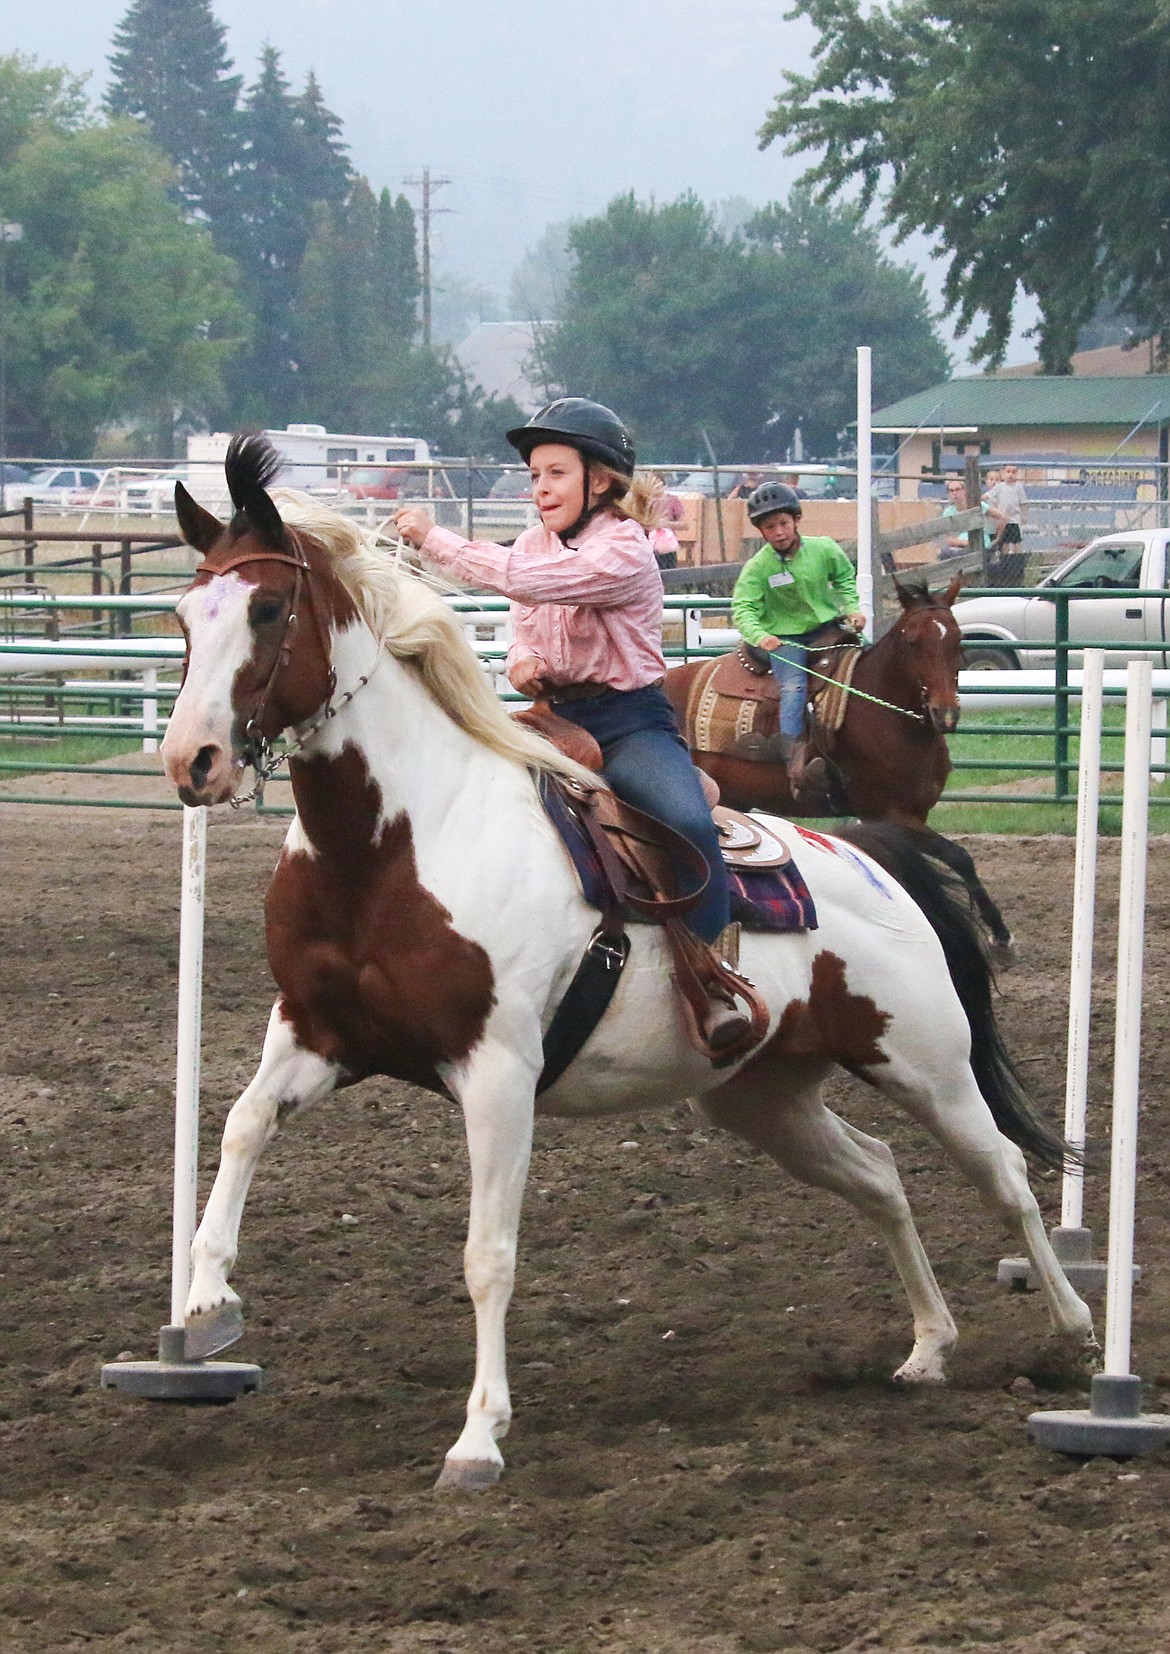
column 988, row 660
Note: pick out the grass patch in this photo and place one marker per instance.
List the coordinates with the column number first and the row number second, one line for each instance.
column 1000, row 743
column 23, row 756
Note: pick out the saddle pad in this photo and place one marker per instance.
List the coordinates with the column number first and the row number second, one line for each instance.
column 718, row 722
column 831, row 700
column 762, row 899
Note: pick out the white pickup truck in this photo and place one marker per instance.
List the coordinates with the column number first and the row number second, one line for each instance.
column 1126, row 563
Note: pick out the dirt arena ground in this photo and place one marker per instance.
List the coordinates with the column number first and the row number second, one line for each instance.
column 708, row 1456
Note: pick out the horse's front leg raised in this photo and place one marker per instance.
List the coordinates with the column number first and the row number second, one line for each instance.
column 496, row 1092
column 288, row 1077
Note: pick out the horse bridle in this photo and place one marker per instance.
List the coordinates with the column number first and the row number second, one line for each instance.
column 257, row 749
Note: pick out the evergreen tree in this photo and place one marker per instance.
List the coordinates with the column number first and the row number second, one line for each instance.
column 358, row 367
column 324, row 164
column 398, row 277
column 171, row 71
column 292, row 158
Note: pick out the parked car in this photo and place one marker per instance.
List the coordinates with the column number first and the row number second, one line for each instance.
column 11, row 478
column 703, row 482
column 511, row 485
column 380, row 482
column 1129, row 562
column 152, row 492
column 62, row 485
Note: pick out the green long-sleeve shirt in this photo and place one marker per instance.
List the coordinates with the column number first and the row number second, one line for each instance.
column 784, row 596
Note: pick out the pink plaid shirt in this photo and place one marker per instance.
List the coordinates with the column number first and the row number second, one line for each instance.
column 592, row 612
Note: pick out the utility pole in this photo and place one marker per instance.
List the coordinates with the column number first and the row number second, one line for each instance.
column 428, row 186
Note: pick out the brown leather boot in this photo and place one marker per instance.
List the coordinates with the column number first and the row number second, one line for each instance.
column 797, row 763
column 724, row 1024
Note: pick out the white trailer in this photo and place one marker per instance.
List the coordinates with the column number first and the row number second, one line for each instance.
column 314, row 457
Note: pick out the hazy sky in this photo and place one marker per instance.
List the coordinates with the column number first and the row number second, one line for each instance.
column 536, row 112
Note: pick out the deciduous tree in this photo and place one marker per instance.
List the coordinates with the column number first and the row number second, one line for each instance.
column 685, row 330
column 118, row 309
column 1030, row 141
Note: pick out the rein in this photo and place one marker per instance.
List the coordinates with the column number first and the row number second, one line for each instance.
column 258, row 749
column 851, row 689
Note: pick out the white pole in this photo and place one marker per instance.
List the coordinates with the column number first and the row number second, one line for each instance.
column 865, row 484
column 1080, row 998
column 1128, row 1025
column 150, row 709
column 187, row 1064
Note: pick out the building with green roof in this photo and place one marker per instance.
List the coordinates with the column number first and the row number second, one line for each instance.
column 1039, row 421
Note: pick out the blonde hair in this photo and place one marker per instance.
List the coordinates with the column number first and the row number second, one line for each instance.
column 415, row 625
column 635, row 498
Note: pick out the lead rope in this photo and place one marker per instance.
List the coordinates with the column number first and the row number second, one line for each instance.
column 849, row 689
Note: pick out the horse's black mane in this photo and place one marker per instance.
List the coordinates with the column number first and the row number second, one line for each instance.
column 251, row 464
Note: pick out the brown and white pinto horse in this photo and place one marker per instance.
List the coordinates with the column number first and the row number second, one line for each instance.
column 889, row 762
column 424, row 922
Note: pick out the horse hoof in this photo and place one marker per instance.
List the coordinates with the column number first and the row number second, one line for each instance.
column 468, row 1475
column 208, row 1331
column 921, row 1373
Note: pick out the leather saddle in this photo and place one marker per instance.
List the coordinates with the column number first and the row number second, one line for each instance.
column 745, row 843
column 734, row 704
column 658, row 873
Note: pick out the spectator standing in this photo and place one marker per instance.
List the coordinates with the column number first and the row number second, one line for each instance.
column 1004, row 502
column 954, row 545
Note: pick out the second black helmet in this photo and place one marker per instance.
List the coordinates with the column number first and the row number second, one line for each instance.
column 590, row 427
column 772, row 496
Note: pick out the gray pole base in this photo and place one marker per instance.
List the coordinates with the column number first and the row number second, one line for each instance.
column 171, row 1378
column 1114, row 1426
column 1074, row 1252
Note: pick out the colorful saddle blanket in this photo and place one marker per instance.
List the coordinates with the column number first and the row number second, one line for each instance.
column 762, row 899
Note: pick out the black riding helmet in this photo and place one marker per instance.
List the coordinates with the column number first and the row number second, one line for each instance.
column 593, row 429
column 770, row 497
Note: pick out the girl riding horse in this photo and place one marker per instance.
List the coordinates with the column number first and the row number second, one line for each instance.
column 587, row 623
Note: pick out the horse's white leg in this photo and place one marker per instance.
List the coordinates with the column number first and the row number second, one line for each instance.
column 953, row 1111
column 497, row 1097
column 288, row 1077
column 786, row 1118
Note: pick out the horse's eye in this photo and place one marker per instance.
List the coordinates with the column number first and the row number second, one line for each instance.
column 265, row 611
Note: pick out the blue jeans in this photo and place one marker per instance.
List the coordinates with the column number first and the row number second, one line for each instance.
column 788, row 670
column 647, row 764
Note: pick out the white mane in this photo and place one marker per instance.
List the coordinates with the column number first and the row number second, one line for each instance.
column 415, row 625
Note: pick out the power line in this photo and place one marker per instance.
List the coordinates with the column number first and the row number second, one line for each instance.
column 427, row 185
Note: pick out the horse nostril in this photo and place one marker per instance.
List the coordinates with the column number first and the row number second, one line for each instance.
column 201, row 764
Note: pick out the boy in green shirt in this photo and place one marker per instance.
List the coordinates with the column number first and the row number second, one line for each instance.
column 784, row 595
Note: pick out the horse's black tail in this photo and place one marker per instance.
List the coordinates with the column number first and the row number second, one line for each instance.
column 943, row 902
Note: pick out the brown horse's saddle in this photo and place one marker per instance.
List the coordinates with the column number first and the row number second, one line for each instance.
column 734, row 703
column 745, row 842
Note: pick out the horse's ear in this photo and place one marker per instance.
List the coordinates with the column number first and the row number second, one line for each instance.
column 263, row 516
column 197, row 526
column 953, row 589
column 910, row 596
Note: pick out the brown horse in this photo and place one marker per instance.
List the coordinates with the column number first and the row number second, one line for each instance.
column 889, row 759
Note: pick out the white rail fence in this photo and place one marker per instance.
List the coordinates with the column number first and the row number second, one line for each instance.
column 486, row 622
